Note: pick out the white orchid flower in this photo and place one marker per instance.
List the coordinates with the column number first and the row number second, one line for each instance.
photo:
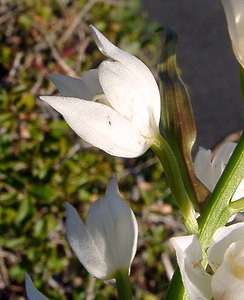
column 225, row 280
column 208, row 169
column 107, row 242
column 116, row 107
column 234, row 11
column 31, row 292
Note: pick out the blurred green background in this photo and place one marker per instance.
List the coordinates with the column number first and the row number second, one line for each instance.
column 43, row 163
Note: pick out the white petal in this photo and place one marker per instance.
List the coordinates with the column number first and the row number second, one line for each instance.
column 234, row 11
column 114, row 228
column 84, row 245
column 91, row 81
column 228, row 280
column 31, row 292
column 203, row 168
column 143, row 80
column 222, row 238
column 129, row 96
column 196, row 282
column 84, row 88
column 101, row 126
column 209, row 170
column 221, row 159
column 219, row 163
column 239, row 193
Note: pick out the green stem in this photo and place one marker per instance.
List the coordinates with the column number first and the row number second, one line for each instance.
column 176, row 289
column 175, row 181
column 123, row 285
column 217, row 212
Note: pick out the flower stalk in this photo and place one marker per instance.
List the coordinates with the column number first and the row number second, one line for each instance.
column 123, row 285
column 176, row 289
column 175, row 181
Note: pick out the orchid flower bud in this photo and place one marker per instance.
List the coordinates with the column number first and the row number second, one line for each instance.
column 225, row 276
column 116, row 107
column 234, row 11
column 31, row 292
column 208, row 169
column 107, row 243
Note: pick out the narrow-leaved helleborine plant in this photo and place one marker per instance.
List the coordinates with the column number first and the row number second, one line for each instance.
column 107, row 243
column 224, row 277
column 116, row 107
column 234, row 11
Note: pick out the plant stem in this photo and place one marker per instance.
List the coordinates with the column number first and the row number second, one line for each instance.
column 176, row 289
column 123, row 285
column 175, row 181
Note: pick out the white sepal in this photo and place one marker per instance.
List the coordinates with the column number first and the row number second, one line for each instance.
column 100, row 125
column 85, row 88
column 188, row 252
column 107, row 242
column 32, row 292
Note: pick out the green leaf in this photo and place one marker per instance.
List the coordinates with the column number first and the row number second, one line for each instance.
column 17, row 272
column 43, row 193
column 14, row 243
column 58, row 128
column 40, row 228
column 26, row 102
column 177, row 117
column 24, row 210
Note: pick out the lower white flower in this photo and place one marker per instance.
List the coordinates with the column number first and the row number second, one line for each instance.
column 107, row 242
column 32, row 293
column 225, row 280
column 208, row 169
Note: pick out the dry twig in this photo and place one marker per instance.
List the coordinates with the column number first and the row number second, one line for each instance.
column 77, row 20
